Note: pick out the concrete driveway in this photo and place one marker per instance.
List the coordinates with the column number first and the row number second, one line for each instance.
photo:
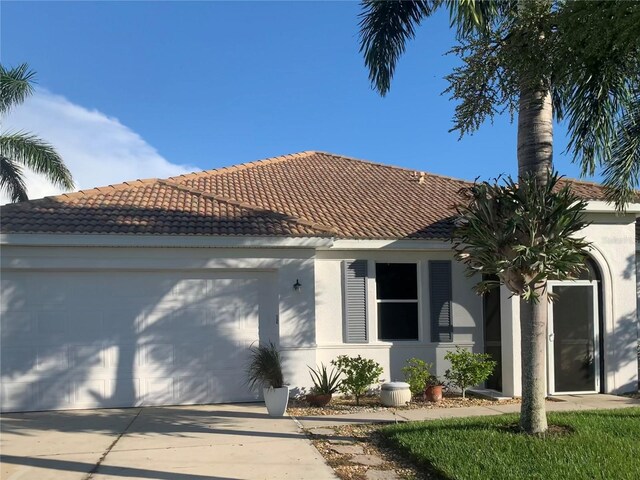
column 188, row 442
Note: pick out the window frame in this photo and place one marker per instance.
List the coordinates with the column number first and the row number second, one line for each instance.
column 417, row 301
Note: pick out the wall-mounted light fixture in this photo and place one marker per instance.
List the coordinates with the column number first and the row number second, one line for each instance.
column 297, row 286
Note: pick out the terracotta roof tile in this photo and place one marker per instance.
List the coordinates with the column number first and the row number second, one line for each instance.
column 304, row 194
column 151, row 207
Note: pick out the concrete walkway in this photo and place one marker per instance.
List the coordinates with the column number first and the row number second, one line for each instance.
column 559, row 403
column 163, row 443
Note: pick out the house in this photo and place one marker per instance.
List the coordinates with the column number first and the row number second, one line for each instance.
column 149, row 292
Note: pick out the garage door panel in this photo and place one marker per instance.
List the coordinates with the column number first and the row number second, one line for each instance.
column 17, row 327
column 52, row 360
column 89, row 392
column 17, row 359
column 53, row 394
column 92, row 356
column 19, row 395
column 157, row 356
column 114, row 339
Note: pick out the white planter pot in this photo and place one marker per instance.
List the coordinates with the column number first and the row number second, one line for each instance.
column 276, row 400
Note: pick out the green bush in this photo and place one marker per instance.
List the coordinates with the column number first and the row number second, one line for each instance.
column 468, row 369
column 359, row 374
column 417, row 373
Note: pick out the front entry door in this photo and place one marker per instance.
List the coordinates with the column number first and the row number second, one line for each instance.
column 573, row 352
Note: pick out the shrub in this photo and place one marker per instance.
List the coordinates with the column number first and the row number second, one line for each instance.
column 468, row 369
column 359, row 373
column 324, row 382
column 417, row 373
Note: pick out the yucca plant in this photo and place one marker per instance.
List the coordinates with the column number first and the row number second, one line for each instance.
column 265, row 367
column 324, row 382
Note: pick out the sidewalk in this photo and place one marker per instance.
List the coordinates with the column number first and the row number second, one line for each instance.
column 558, row 404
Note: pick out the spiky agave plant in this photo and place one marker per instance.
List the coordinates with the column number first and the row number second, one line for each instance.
column 264, row 369
column 324, row 382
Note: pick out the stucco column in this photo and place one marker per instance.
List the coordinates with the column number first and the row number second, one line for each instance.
column 510, row 339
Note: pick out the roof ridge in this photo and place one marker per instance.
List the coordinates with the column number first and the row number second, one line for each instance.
column 248, row 206
column 245, row 165
column 393, row 167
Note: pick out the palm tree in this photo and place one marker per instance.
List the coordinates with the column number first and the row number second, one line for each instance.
column 542, row 60
column 22, row 149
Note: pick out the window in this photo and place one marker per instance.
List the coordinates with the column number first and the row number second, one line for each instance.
column 397, row 298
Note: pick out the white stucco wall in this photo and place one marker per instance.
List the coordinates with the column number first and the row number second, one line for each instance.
column 466, row 312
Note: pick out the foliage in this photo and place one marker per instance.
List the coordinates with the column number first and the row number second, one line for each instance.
column 324, row 382
column 524, row 233
column 585, row 55
column 467, row 368
column 417, row 372
column 434, row 381
column 603, row 444
column 21, row 149
column 358, row 374
column 265, row 367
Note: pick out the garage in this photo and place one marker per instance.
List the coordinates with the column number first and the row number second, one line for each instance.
column 118, row 338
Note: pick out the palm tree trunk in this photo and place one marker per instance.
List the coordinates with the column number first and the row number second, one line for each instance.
column 535, row 134
column 533, row 329
column 535, row 157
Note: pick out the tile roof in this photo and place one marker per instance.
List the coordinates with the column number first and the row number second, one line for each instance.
column 303, row 194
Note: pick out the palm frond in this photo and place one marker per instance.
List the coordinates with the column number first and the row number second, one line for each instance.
column 385, row 28
column 469, row 16
column 11, row 180
column 39, row 156
column 15, row 86
column 622, row 172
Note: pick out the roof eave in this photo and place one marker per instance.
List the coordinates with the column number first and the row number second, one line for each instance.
column 163, row 241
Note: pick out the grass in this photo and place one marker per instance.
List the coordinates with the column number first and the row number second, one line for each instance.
column 603, row 444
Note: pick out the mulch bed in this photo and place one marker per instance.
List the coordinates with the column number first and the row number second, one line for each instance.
column 345, row 404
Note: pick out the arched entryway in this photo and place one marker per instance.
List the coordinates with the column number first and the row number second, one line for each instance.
column 574, row 347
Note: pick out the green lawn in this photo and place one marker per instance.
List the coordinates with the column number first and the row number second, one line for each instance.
column 605, row 444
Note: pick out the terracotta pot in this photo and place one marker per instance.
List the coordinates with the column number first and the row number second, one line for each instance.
column 318, row 400
column 433, row 393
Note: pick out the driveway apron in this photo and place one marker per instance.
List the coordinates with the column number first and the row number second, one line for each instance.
column 187, row 442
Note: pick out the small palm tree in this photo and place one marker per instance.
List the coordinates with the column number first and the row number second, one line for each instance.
column 524, row 233
column 23, row 149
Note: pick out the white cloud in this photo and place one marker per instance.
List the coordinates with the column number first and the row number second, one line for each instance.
column 97, row 149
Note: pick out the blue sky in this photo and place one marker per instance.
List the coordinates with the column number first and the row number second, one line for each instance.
column 208, row 84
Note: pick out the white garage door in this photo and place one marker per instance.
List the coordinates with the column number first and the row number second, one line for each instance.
column 109, row 339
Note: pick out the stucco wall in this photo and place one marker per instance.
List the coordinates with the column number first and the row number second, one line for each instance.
column 466, row 313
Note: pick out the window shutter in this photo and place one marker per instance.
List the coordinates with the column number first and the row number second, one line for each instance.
column 355, row 301
column 440, row 299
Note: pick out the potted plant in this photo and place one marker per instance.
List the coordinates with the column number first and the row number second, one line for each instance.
column 325, row 384
column 265, row 371
column 433, row 389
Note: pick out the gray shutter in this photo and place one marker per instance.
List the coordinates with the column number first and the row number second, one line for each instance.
column 355, row 301
column 440, row 300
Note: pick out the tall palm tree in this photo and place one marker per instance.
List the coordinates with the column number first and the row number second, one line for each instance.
column 22, row 149
column 542, row 60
